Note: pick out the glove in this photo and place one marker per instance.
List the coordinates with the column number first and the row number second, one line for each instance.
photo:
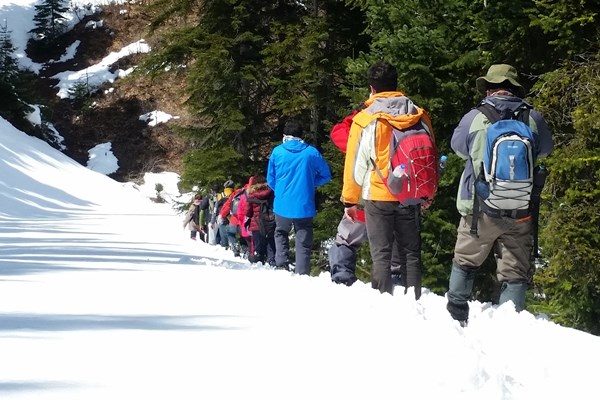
column 351, row 212
column 219, row 220
column 247, row 223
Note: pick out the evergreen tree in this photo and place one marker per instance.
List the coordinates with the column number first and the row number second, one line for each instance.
column 570, row 237
column 49, row 20
column 11, row 106
column 9, row 68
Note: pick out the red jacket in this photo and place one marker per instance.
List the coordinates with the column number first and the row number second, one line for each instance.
column 260, row 191
column 340, row 131
column 224, row 213
column 339, row 136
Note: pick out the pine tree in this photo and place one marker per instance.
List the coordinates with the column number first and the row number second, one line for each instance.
column 49, row 20
column 9, row 68
column 11, row 106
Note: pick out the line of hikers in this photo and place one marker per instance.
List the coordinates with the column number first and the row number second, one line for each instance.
column 391, row 172
column 238, row 219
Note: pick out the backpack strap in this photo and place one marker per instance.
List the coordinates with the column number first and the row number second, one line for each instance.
column 490, row 112
column 476, row 200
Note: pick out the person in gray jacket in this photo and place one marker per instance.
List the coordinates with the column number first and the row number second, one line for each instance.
column 510, row 235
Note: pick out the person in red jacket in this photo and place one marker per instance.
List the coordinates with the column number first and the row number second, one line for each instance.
column 246, row 241
column 264, row 244
column 352, row 232
column 231, row 228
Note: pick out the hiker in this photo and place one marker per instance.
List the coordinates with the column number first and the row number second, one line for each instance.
column 192, row 218
column 508, row 232
column 295, row 170
column 351, row 234
column 217, row 221
column 263, row 233
column 207, row 209
column 387, row 219
column 246, row 242
column 229, row 220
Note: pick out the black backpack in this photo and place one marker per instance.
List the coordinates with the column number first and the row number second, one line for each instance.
column 266, row 217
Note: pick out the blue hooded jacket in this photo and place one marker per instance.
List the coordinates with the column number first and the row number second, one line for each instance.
column 295, row 170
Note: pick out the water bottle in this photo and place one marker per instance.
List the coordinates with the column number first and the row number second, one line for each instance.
column 397, row 178
column 442, row 165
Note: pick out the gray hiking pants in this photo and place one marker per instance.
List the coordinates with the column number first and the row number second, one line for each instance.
column 342, row 253
column 389, row 222
column 303, row 227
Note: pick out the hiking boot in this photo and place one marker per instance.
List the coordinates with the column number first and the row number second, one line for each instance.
column 459, row 312
column 285, row 266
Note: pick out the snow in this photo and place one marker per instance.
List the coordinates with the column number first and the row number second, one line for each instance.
column 156, row 117
column 104, row 296
column 98, row 74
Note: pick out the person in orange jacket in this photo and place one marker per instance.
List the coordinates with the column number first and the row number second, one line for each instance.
column 388, row 221
column 351, row 234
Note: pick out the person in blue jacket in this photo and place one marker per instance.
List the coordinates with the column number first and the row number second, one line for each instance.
column 295, row 170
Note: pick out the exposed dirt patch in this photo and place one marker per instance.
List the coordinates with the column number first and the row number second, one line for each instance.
column 112, row 113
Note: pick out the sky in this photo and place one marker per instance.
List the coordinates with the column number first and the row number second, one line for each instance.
column 104, row 296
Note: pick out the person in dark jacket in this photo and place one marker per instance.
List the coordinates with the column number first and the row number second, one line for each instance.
column 207, row 207
column 511, row 236
column 264, row 245
column 294, row 172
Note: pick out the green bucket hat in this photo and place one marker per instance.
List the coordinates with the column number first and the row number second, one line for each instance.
column 499, row 73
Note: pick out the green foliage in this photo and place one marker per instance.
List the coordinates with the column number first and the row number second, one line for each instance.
column 80, row 93
column 570, row 236
column 204, row 168
column 572, row 25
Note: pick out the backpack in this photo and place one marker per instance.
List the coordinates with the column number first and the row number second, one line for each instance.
column 506, row 177
column 413, row 165
column 266, row 217
column 235, row 202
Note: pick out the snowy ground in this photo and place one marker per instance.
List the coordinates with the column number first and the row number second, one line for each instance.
column 103, row 296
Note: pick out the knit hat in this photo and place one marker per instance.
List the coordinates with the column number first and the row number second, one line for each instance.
column 500, row 73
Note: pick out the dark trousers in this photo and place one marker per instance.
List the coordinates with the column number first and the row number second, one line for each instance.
column 389, row 222
column 303, row 227
column 264, row 248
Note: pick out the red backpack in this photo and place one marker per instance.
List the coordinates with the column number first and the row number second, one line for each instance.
column 413, row 166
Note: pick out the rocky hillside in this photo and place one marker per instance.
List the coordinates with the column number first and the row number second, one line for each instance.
column 115, row 109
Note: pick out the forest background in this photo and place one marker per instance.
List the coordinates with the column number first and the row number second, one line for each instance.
column 247, row 66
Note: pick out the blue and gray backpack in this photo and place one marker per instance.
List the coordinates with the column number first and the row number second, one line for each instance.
column 504, row 184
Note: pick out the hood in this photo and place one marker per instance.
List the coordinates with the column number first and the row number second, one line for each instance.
column 504, row 102
column 260, row 191
column 295, row 145
column 394, row 107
